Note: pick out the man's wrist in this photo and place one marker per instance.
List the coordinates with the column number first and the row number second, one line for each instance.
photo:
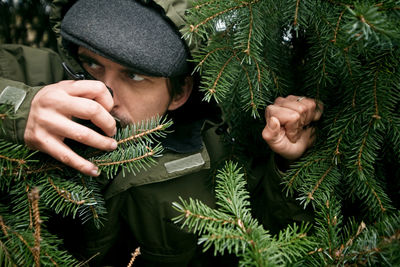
column 282, row 163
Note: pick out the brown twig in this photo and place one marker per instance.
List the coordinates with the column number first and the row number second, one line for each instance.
column 19, row 161
column 148, row 154
column 6, row 253
column 194, row 28
column 247, row 50
column 64, row 193
column 188, row 213
column 212, row 90
column 337, row 26
column 136, row 136
column 296, row 13
column 376, row 115
column 27, row 189
column 88, row 260
column 34, row 199
column 134, row 255
column 310, row 195
column 212, row 52
column 359, row 230
column 258, row 70
column 252, row 104
column 204, row 4
column 92, row 209
column 3, row 226
column 376, row 196
column 360, row 152
column 290, row 183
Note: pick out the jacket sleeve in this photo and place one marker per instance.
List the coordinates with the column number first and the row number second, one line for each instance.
column 23, row 72
column 270, row 204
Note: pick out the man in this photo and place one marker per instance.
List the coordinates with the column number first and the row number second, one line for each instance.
column 138, row 62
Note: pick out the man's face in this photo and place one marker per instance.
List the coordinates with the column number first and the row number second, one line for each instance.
column 136, row 97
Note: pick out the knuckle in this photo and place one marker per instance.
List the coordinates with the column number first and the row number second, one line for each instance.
column 49, row 99
column 269, row 108
column 81, row 136
column 99, row 86
column 302, row 109
column 279, row 99
column 111, row 126
column 33, row 139
column 41, row 121
column 66, row 159
column 93, row 109
column 313, row 104
column 66, row 82
column 30, row 140
column 295, row 116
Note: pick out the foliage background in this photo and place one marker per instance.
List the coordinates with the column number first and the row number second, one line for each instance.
column 302, row 68
column 26, row 22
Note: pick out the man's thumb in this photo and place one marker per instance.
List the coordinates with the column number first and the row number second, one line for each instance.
column 271, row 131
column 273, row 124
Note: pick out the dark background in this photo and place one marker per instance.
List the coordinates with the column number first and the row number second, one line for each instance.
column 26, row 22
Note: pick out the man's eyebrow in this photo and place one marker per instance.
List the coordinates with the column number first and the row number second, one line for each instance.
column 129, row 70
column 86, row 58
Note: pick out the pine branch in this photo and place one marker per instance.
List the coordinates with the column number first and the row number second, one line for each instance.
column 230, row 227
column 14, row 160
column 137, row 146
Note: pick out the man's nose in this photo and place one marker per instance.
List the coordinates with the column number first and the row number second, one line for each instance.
column 109, row 79
column 110, row 90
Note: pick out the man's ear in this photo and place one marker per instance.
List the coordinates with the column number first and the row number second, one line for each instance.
column 181, row 98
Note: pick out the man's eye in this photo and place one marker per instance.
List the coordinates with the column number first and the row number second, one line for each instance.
column 135, row 77
column 92, row 65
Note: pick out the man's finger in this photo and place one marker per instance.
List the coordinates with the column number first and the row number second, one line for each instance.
column 289, row 119
column 303, row 107
column 87, row 109
column 69, row 129
column 64, row 154
column 318, row 110
column 95, row 90
column 272, row 132
column 310, row 133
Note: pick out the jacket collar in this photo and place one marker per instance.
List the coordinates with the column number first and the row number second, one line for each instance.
column 185, row 137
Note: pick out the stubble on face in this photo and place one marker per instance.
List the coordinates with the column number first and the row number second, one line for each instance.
column 121, row 119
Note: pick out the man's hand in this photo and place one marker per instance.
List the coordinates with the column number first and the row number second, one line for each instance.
column 50, row 121
column 287, row 131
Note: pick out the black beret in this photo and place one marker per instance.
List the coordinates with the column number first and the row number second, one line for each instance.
column 127, row 32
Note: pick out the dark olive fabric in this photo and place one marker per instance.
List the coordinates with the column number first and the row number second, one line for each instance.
column 27, row 69
column 147, row 212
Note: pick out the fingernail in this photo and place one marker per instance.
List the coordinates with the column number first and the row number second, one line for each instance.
column 272, row 123
column 95, row 172
column 113, row 145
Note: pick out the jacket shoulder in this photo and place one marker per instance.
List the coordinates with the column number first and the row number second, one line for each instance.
column 31, row 66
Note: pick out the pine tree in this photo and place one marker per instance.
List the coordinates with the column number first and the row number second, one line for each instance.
column 343, row 53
